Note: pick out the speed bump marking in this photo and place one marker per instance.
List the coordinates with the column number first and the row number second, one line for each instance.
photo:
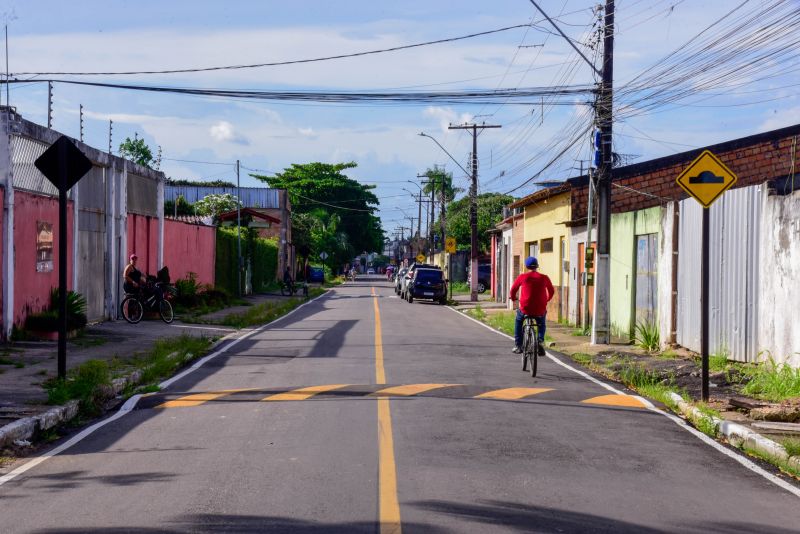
column 616, row 400
column 512, row 393
column 199, row 398
column 303, row 393
column 410, row 389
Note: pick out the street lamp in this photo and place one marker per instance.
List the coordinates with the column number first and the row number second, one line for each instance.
column 423, row 134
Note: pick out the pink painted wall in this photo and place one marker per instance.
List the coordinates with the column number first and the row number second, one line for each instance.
column 32, row 289
column 2, row 199
column 190, row 248
column 143, row 240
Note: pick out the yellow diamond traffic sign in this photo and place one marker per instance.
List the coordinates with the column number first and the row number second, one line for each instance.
column 706, row 178
column 450, row 245
column 420, row 258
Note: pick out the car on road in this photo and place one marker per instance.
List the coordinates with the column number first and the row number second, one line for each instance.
column 410, row 274
column 316, row 274
column 398, row 280
column 427, row 284
column 370, row 271
column 484, row 277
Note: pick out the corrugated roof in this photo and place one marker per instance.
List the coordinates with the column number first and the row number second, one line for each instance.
column 540, row 195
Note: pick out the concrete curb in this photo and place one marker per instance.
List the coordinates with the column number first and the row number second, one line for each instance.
column 736, row 434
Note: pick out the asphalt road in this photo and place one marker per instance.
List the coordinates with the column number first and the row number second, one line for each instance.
column 362, row 413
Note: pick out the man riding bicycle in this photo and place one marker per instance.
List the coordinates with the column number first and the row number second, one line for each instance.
column 536, row 292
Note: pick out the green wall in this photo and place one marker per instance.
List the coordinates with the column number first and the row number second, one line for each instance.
column 624, row 229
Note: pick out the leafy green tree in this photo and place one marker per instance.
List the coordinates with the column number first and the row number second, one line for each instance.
column 436, row 176
column 321, row 189
column 216, row 204
column 490, row 212
column 180, row 206
column 209, row 183
column 136, row 150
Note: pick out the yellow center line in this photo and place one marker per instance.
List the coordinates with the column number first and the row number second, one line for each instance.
column 512, row 393
column 303, row 393
column 410, row 389
column 199, row 398
column 388, row 504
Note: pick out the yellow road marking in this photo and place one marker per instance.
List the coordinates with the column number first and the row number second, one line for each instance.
column 303, row 393
column 512, row 393
column 388, row 504
column 199, row 398
column 380, row 373
column 616, row 400
column 410, row 389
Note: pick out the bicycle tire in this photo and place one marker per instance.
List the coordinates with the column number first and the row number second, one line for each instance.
column 526, row 342
column 286, row 290
column 534, row 358
column 165, row 311
column 131, row 309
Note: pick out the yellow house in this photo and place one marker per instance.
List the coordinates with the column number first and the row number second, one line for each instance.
column 546, row 237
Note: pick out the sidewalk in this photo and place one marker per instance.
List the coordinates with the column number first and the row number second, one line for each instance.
column 26, row 365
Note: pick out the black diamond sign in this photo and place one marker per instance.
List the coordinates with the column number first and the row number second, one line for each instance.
column 63, row 164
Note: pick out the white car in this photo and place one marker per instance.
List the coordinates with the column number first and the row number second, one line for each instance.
column 370, row 271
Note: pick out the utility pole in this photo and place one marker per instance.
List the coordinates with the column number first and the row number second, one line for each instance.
column 238, row 229
column 602, row 293
column 80, row 113
column 110, row 130
column 473, row 208
column 589, row 217
column 49, row 105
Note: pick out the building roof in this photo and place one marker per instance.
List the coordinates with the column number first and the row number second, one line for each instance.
column 257, row 213
column 542, row 194
column 202, row 220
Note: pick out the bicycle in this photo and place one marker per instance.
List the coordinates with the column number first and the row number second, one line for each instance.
column 134, row 305
column 530, row 344
column 287, row 290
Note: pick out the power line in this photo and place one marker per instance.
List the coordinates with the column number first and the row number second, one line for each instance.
column 279, row 63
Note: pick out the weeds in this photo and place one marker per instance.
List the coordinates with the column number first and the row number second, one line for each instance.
column 782, row 464
column 792, row 446
column 261, row 313
column 647, row 336
column 477, row 313
column 585, row 331
column 582, row 358
column 460, row 288
column 772, row 381
column 718, row 361
column 84, row 383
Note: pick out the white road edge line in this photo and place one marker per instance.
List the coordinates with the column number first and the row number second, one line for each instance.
column 675, row 419
column 130, row 404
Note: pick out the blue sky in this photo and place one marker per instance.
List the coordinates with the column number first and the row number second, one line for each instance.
column 145, row 35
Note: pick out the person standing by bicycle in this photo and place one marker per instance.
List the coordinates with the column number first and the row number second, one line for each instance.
column 287, row 280
column 131, row 276
column 536, row 290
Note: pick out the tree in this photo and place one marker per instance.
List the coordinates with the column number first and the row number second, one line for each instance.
column 183, row 207
column 490, row 212
column 320, row 189
column 216, row 204
column 136, row 150
column 436, row 176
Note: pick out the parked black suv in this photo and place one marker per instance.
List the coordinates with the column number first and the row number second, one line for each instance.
column 427, row 284
column 484, row 276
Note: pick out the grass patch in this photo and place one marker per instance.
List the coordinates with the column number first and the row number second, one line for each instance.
column 668, row 355
column 718, row 361
column 477, row 313
column 6, row 361
column 582, row 358
column 169, row 355
column 84, row 383
column 648, row 383
column 85, row 341
column 19, row 365
column 792, row 445
column 783, row 465
column 503, row 321
column 460, row 288
column 582, row 331
column 772, row 381
column 149, row 388
column 263, row 313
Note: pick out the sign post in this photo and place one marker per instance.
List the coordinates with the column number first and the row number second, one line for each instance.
column 323, row 256
column 63, row 164
column 706, row 179
column 450, row 248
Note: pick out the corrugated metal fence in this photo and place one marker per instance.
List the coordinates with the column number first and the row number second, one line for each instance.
column 251, row 197
column 734, row 275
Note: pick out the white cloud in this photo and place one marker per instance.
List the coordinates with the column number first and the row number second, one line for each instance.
column 223, row 131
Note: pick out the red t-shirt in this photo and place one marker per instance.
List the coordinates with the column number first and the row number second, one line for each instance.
column 537, row 290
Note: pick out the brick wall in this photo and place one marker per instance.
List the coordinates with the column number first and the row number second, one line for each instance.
column 754, row 159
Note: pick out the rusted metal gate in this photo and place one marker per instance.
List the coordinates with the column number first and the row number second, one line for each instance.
column 646, row 278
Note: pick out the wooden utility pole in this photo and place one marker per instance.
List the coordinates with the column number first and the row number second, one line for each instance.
column 602, row 294
column 473, row 207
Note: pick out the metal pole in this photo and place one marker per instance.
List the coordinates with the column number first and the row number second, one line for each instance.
column 473, row 220
column 589, row 220
column 8, row 95
column 239, row 229
column 704, row 303
column 62, row 263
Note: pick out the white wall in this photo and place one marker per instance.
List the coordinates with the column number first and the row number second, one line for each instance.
column 666, row 262
column 779, row 291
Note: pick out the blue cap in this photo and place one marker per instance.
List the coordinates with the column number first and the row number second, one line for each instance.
column 531, row 262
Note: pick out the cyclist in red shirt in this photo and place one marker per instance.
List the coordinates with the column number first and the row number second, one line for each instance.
column 537, row 290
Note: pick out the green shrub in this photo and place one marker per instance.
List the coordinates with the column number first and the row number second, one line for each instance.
column 84, row 383
column 772, row 381
column 647, row 335
column 47, row 320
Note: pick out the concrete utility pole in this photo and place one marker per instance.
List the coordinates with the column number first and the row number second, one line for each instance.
column 80, row 113
column 238, row 229
column 49, row 105
column 589, row 221
column 110, row 131
column 473, row 208
column 602, row 294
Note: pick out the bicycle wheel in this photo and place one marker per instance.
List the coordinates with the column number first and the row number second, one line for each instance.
column 165, row 311
column 286, row 290
column 132, row 309
column 526, row 340
column 534, row 351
